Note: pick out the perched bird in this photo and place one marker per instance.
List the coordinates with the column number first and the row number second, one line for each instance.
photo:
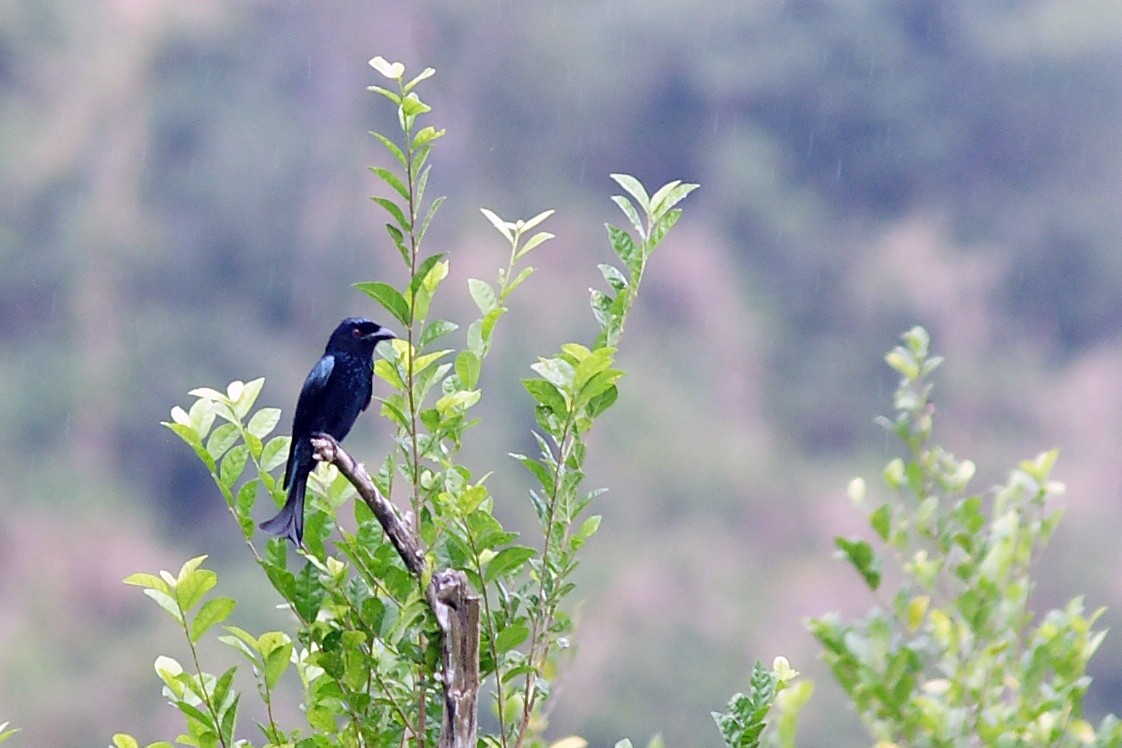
column 337, row 389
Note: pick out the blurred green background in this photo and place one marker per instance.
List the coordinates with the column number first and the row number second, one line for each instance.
column 185, row 202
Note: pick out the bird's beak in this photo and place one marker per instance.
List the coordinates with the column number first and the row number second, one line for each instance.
column 383, row 334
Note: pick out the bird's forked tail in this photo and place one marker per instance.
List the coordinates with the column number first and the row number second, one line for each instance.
column 289, row 522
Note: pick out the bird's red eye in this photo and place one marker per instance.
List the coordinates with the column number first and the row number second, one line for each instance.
column 356, row 332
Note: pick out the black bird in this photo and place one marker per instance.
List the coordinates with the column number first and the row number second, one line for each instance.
column 337, row 389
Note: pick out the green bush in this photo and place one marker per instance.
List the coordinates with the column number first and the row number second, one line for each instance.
column 369, row 633
column 952, row 654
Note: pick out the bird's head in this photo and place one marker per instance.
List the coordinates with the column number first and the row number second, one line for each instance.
column 358, row 334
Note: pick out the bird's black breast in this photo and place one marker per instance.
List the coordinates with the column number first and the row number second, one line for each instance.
column 348, row 392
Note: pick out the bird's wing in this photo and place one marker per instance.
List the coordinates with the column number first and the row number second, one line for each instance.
column 311, row 395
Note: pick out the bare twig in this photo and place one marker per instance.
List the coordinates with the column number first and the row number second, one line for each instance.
column 448, row 594
column 403, row 539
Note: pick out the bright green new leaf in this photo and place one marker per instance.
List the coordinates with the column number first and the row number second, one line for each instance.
column 461, row 399
column 169, row 671
column 194, row 586
column 275, row 452
column 276, row 648
column 221, row 439
column 426, row 135
column 140, row 579
column 411, row 106
column 468, row 367
column 420, row 363
column 263, row 422
column 589, row 527
column 213, row 611
column 522, row 275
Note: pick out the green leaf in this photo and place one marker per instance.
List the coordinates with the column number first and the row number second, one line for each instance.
column 395, row 98
column 602, row 401
column 533, row 243
column 275, row 452
column 589, row 527
column 213, row 611
column 510, row 637
column 881, row 521
column 507, row 560
column 625, row 249
column 426, row 73
column 662, row 228
column 613, row 276
column 221, row 439
column 308, row 595
column 193, row 586
column 411, row 106
column 633, row 186
column 864, row 560
column 187, row 434
column 167, row 602
column 669, row 195
column 391, row 179
column 428, row 218
column 483, row 295
column 263, row 422
column 426, row 135
column 120, row 740
column 392, row 147
column 392, row 208
column 151, row 581
column 388, row 297
column 500, row 225
column 398, row 240
column 556, row 371
column 523, row 274
column 547, row 394
column 248, row 396
column 423, row 271
column 468, row 368
column 629, row 211
column 233, row 464
column 276, row 649
column 435, row 330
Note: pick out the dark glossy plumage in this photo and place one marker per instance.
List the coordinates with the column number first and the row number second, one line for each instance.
column 337, row 389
